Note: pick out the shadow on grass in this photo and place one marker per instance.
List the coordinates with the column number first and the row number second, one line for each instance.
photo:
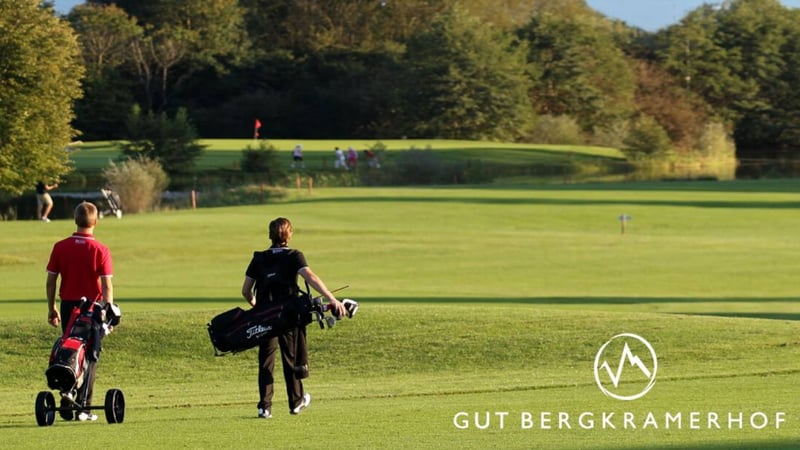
column 517, row 300
column 561, row 202
column 787, row 444
column 576, row 301
column 752, row 315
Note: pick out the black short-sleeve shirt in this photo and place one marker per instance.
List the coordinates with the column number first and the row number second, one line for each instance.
column 275, row 272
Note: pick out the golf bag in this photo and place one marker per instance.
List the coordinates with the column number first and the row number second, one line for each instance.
column 237, row 329
column 79, row 345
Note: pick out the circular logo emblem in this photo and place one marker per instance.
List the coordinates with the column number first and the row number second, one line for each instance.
column 625, row 367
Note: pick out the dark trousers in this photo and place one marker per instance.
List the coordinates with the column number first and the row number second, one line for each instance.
column 266, row 368
column 86, row 390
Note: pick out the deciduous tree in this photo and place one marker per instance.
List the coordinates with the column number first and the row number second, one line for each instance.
column 40, row 73
column 467, row 80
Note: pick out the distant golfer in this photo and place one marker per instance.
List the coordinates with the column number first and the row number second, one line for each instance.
column 297, row 157
column 85, row 267
column 271, row 277
column 44, row 203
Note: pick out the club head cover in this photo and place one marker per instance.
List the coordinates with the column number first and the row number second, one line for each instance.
column 113, row 314
column 351, row 306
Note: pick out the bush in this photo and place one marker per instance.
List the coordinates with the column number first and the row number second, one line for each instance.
column 563, row 130
column 646, row 139
column 170, row 141
column 611, row 135
column 716, row 142
column 418, row 167
column 139, row 183
column 262, row 161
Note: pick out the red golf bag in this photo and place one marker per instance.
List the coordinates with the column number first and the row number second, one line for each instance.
column 79, row 344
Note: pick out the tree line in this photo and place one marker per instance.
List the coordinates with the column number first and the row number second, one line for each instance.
column 512, row 70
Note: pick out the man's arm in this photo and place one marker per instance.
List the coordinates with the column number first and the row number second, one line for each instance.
column 53, row 316
column 318, row 285
column 108, row 289
column 247, row 290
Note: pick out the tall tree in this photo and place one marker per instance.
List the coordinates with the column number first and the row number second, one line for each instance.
column 577, row 68
column 311, row 26
column 467, row 80
column 757, row 30
column 735, row 56
column 786, row 113
column 40, row 73
column 182, row 38
column 106, row 34
column 681, row 114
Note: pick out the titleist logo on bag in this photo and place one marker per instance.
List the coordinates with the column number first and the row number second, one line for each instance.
column 257, row 331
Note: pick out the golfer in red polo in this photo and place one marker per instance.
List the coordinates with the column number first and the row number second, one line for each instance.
column 85, row 267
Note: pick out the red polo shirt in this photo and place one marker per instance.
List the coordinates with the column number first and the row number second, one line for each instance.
column 81, row 261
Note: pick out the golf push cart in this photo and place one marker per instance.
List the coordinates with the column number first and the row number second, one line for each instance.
column 70, row 361
column 110, row 204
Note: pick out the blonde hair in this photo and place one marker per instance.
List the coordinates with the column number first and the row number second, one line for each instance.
column 85, row 215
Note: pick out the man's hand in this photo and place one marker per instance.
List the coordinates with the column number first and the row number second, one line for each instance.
column 337, row 308
column 54, row 318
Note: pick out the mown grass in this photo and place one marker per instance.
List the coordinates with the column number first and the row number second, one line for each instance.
column 475, row 300
column 226, row 153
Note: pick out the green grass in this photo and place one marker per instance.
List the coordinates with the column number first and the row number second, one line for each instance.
column 226, row 153
column 474, row 300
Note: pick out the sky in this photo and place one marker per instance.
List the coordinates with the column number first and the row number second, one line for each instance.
column 649, row 15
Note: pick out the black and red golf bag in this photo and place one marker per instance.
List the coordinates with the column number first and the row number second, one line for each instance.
column 79, row 345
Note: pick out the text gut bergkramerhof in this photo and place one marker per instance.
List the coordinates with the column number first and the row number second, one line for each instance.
column 669, row 420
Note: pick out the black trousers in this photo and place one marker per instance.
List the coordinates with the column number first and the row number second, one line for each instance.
column 86, row 390
column 266, row 367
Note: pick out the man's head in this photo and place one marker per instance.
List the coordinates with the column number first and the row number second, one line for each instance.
column 280, row 231
column 86, row 215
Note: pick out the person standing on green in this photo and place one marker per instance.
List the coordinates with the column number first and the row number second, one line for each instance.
column 271, row 277
column 44, row 203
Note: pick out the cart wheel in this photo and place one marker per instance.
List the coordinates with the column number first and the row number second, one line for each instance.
column 100, row 214
column 45, row 408
column 115, row 406
column 119, row 214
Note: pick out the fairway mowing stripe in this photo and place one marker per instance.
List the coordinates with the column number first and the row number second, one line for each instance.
column 521, row 388
column 457, row 392
column 562, row 386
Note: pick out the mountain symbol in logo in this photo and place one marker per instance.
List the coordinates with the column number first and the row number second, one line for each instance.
column 627, row 360
column 628, row 356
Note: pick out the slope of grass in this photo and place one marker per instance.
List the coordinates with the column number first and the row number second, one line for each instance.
column 398, row 374
column 482, row 301
column 226, row 153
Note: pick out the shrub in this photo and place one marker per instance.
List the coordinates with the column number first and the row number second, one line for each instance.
column 562, row 130
column 170, row 141
column 646, row 139
column 417, row 167
column 262, row 161
column 611, row 135
column 139, row 183
column 716, row 142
